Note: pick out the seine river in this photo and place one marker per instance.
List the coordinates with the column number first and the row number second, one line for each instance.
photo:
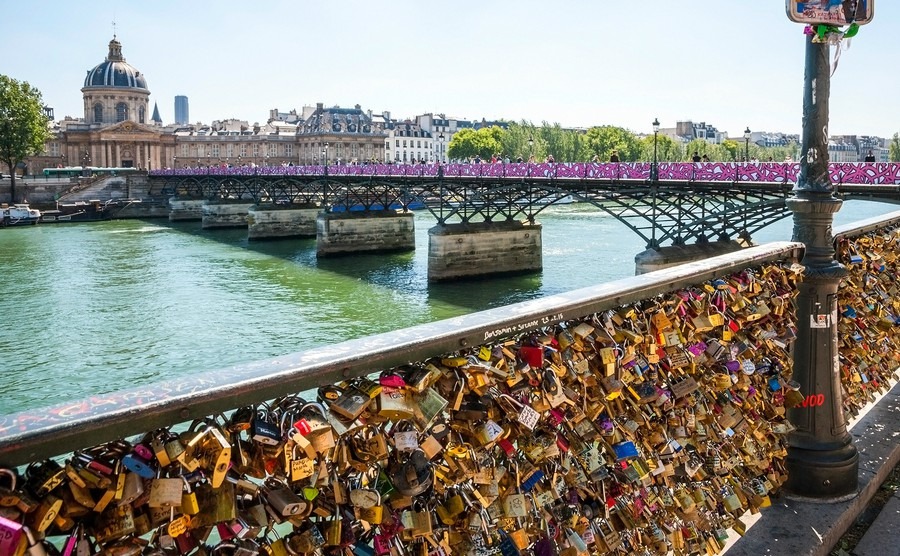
column 92, row 308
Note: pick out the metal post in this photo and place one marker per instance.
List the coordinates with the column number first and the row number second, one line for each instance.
column 822, row 461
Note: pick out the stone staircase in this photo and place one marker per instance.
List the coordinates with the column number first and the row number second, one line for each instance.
column 108, row 188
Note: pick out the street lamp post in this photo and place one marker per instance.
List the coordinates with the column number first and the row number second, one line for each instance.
column 441, row 147
column 822, row 461
column 325, row 155
column 531, row 148
column 747, row 144
column 654, row 168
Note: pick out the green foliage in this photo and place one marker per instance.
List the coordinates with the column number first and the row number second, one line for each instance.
column 667, row 149
column 602, row 141
column 23, row 125
column 731, row 147
column 469, row 143
column 894, row 149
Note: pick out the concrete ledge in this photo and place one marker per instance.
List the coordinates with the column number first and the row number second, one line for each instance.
column 804, row 527
column 881, row 538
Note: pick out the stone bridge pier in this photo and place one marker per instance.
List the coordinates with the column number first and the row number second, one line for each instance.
column 483, row 248
column 342, row 233
column 279, row 221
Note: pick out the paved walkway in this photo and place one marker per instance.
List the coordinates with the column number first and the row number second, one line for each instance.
column 797, row 527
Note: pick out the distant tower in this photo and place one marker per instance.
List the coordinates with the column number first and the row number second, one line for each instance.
column 181, row 110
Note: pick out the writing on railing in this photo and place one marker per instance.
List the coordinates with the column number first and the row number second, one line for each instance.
column 767, row 172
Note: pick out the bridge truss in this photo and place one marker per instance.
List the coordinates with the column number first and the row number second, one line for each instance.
column 661, row 213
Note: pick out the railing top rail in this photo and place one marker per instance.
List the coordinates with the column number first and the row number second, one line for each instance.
column 860, row 227
column 35, row 435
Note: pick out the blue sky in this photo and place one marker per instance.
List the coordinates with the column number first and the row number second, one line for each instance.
column 731, row 63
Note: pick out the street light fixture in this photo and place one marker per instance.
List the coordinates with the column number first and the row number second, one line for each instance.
column 325, row 154
column 85, row 164
column 530, row 148
column 747, row 144
column 654, row 169
column 441, row 147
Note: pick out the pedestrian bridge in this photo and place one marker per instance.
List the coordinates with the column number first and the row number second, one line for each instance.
column 481, row 206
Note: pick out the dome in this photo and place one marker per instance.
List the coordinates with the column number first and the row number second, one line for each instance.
column 115, row 72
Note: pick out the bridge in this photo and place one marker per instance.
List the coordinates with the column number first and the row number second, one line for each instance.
column 599, row 447
column 691, row 210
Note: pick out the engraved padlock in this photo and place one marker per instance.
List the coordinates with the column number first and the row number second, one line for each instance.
column 367, row 505
column 42, row 477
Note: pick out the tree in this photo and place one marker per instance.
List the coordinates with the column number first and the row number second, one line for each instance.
column 602, row 141
column 667, row 149
column 468, row 143
column 23, row 125
column 894, row 151
column 731, row 147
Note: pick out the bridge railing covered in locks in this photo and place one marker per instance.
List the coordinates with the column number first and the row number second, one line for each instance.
column 643, row 415
column 869, row 309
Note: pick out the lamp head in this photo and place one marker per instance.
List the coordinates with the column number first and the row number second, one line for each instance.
column 655, row 125
column 747, row 133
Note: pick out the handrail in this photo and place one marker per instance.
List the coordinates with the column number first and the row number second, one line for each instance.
column 860, row 227
column 47, row 432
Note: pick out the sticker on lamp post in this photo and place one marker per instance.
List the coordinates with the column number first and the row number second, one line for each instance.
column 831, row 12
column 819, row 321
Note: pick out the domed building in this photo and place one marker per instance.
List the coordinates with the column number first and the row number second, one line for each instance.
column 114, row 91
column 118, row 129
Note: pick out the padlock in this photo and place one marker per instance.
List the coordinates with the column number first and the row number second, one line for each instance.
column 41, row 519
column 13, row 540
column 140, row 461
column 333, row 529
column 165, row 492
column 283, row 500
column 367, row 505
column 189, row 503
column 263, row 429
column 412, row 476
column 42, row 477
column 350, row 404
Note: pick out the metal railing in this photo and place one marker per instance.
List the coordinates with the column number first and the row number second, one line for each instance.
column 47, row 432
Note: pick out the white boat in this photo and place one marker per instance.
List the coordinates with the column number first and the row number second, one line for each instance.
column 20, row 214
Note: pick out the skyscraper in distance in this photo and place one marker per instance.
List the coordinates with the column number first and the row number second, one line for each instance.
column 181, row 109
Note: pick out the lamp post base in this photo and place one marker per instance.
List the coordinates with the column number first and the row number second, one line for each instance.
column 825, row 475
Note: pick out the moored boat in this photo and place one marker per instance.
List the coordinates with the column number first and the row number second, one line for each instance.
column 19, row 214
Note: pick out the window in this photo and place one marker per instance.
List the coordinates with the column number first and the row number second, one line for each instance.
column 419, row 144
column 184, row 150
column 244, row 149
column 398, row 143
column 98, row 113
column 229, row 150
column 215, row 149
column 121, row 112
column 141, row 115
column 255, row 151
column 289, row 150
column 404, row 143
